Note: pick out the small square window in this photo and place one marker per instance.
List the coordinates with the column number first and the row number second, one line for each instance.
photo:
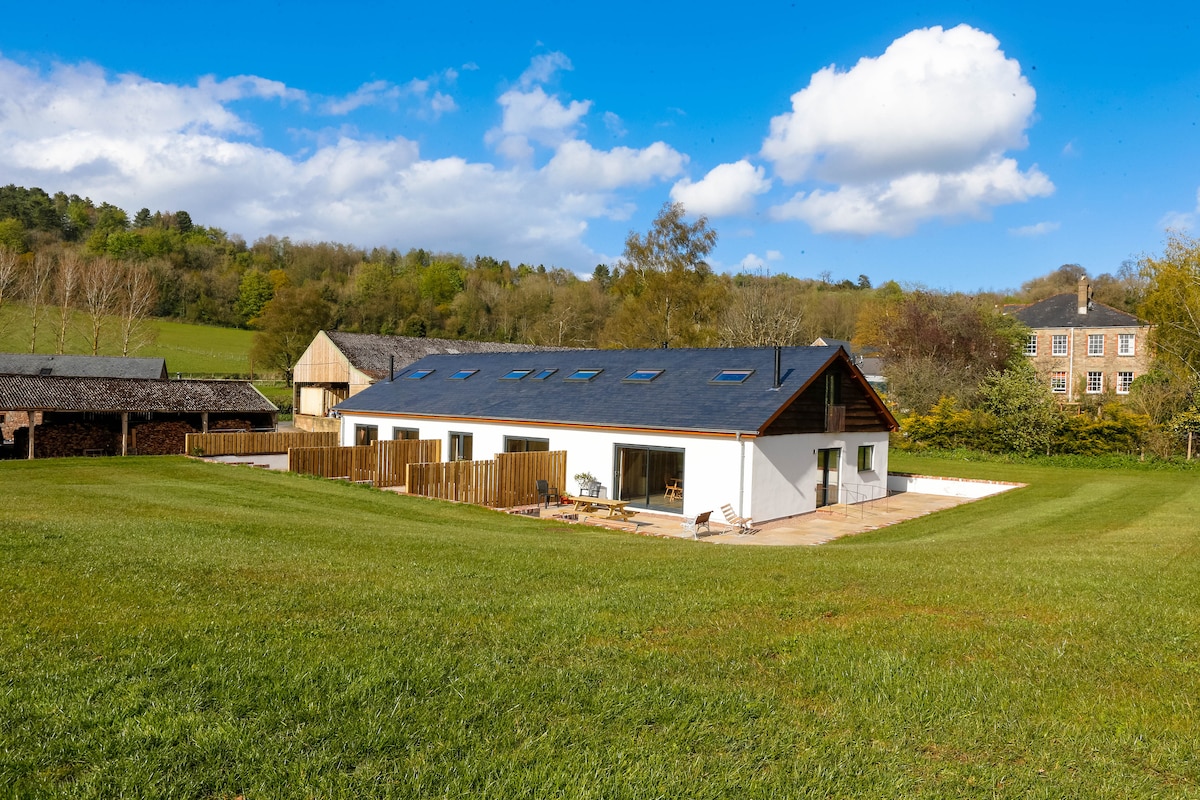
column 1125, row 344
column 462, row 374
column 643, row 375
column 1095, row 382
column 1058, row 344
column 1058, row 382
column 542, row 374
column 1031, row 345
column 583, row 374
column 866, row 458
column 1095, row 344
column 417, row 374
column 732, row 376
column 1124, row 382
column 516, row 374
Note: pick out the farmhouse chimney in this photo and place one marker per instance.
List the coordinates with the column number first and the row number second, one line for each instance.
column 391, row 368
column 778, row 366
column 1085, row 295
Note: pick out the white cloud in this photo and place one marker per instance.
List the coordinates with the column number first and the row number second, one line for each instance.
column 751, row 262
column 431, row 105
column 614, row 124
column 542, row 68
column 535, row 115
column 1038, row 229
column 1182, row 221
column 726, row 190
column 917, row 133
column 137, row 143
column 774, row 255
column 897, row 206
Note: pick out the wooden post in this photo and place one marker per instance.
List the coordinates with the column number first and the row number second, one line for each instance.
column 204, row 422
column 124, row 433
column 32, row 416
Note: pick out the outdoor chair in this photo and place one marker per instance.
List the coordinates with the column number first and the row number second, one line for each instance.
column 693, row 524
column 674, row 490
column 544, row 489
column 741, row 523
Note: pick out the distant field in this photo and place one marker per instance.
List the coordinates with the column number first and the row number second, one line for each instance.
column 194, row 349
column 180, row 629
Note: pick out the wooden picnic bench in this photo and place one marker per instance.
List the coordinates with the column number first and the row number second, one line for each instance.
column 616, row 508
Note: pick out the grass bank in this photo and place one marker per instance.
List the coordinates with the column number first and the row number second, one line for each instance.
column 181, row 629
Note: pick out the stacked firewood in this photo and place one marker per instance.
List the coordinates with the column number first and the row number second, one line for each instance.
column 160, row 438
column 216, row 424
column 69, row 439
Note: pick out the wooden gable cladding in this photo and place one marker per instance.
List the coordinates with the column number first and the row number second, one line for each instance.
column 837, row 399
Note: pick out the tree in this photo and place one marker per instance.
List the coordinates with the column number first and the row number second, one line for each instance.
column 254, row 292
column 101, row 282
column 9, row 273
column 1023, row 406
column 1173, row 302
column 35, row 286
column 135, row 300
column 70, row 273
column 287, row 326
column 763, row 311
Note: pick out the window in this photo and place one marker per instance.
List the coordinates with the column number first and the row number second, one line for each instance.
column 866, row 457
column 1095, row 382
column 405, row 433
column 1058, row 382
column 1124, row 344
column 542, row 374
column 462, row 374
column 1058, row 344
column 517, row 444
column 583, row 374
column 365, row 434
column 732, row 376
column 650, row 477
column 1124, row 381
column 515, row 375
column 417, row 374
column 460, row 446
column 1095, row 344
column 643, row 375
column 1031, row 345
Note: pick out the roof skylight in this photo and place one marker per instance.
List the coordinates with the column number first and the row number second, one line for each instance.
column 542, row 374
column 643, row 375
column 417, row 374
column 732, row 376
column 515, row 375
column 462, row 374
column 583, row 374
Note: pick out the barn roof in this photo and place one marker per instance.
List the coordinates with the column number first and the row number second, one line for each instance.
column 372, row 352
column 51, row 393
column 1062, row 311
column 83, row 366
column 686, row 394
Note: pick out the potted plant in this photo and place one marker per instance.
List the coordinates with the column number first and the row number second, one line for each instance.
column 588, row 485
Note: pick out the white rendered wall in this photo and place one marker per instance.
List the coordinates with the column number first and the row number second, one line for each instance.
column 712, row 465
column 785, row 472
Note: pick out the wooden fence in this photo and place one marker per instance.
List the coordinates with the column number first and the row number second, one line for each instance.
column 384, row 463
column 248, row 443
column 508, row 480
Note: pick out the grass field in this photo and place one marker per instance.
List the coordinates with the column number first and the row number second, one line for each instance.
column 178, row 629
column 190, row 349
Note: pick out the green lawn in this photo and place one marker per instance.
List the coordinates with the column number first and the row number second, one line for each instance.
column 190, row 349
column 171, row 628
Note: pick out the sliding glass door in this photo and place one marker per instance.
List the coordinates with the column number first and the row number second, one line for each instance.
column 650, row 477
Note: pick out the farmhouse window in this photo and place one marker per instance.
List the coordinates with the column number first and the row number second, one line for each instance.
column 365, row 434
column 1124, row 344
column 1095, row 382
column 1058, row 382
column 866, row 457
column 517, row 444
column 405, row 433
column 1124, row 381
column 460, row 446
column 644, row 475
column 1095, row 344
column 1031, row 345
column 1058, row 345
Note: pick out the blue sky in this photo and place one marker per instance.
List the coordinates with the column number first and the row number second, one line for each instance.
column 955, row 146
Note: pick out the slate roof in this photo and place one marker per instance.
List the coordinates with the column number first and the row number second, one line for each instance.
column 49, row 393
column 372, row 352
column 83, row 366
column 682, row 398
column 1062, row 311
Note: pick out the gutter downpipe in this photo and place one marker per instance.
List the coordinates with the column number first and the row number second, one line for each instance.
column 741, row 475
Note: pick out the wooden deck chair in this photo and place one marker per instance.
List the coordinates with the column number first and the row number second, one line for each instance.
column 741, row 523
column 693, row 524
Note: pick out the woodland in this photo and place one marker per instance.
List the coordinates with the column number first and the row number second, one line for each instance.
column 955, row 374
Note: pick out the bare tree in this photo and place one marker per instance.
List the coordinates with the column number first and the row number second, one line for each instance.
column 66, row 285
column 101, row 282
column 8, row 274
column 135, row 299
column 35, row 286
column 762, row 312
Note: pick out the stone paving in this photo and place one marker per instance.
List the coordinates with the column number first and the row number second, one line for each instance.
column 808, row 529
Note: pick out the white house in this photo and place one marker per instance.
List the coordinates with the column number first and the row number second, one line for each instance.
column 774, row 432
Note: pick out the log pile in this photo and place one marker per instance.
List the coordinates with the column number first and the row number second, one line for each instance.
column 70, row 439
column 218, row 424
column 160, row 438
